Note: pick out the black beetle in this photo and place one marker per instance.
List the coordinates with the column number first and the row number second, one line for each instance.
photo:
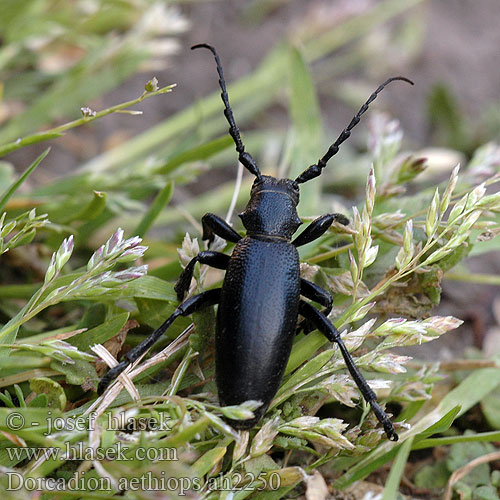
column 260, row 299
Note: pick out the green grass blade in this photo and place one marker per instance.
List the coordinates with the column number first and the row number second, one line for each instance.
column 22, row 291
column 159, row 203
column 207, row 461
column 14, row 187
column 99, row 334
column 93, row 209
column 307, row 127
column 28, row 141
column 397, row 470
column 202, row 152
column 449, row 440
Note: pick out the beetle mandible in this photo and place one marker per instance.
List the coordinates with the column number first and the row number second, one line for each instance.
column 260, row 299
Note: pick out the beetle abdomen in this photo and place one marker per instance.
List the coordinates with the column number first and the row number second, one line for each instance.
column 256, row 322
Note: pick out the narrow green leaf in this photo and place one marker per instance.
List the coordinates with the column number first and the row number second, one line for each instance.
column 310, row 368
column 443, row 424
column 27, row 141
column 202, row 152
column 93, row 209
column 13, row 188
column 20, row 396
column 397, row 470
column 159, row 203
column 449, row 440
column 307, row 127
column 410, row 411
column 304, row 349
column 99, row 334
column 446, row 117
column 209, row 460
column 188, row 433
column 376, row 459
column 149, row 287
column 22, row 291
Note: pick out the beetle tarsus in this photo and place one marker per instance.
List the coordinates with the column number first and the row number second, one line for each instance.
column 384, row 420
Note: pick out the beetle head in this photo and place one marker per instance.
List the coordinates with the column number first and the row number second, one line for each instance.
column 272, row 209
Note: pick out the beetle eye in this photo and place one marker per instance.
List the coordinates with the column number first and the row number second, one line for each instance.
column 295, row 186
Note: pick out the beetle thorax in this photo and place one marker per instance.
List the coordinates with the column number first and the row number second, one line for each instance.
column 272, row 209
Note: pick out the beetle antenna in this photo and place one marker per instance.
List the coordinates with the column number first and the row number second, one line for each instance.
column 245, row 158
column 315, row 170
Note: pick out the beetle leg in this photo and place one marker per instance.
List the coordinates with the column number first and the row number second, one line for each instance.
column 324, row 325
column 215, row 225
column 191, row 305
column 215, row 259
column 314, row 292
column 318, row 227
